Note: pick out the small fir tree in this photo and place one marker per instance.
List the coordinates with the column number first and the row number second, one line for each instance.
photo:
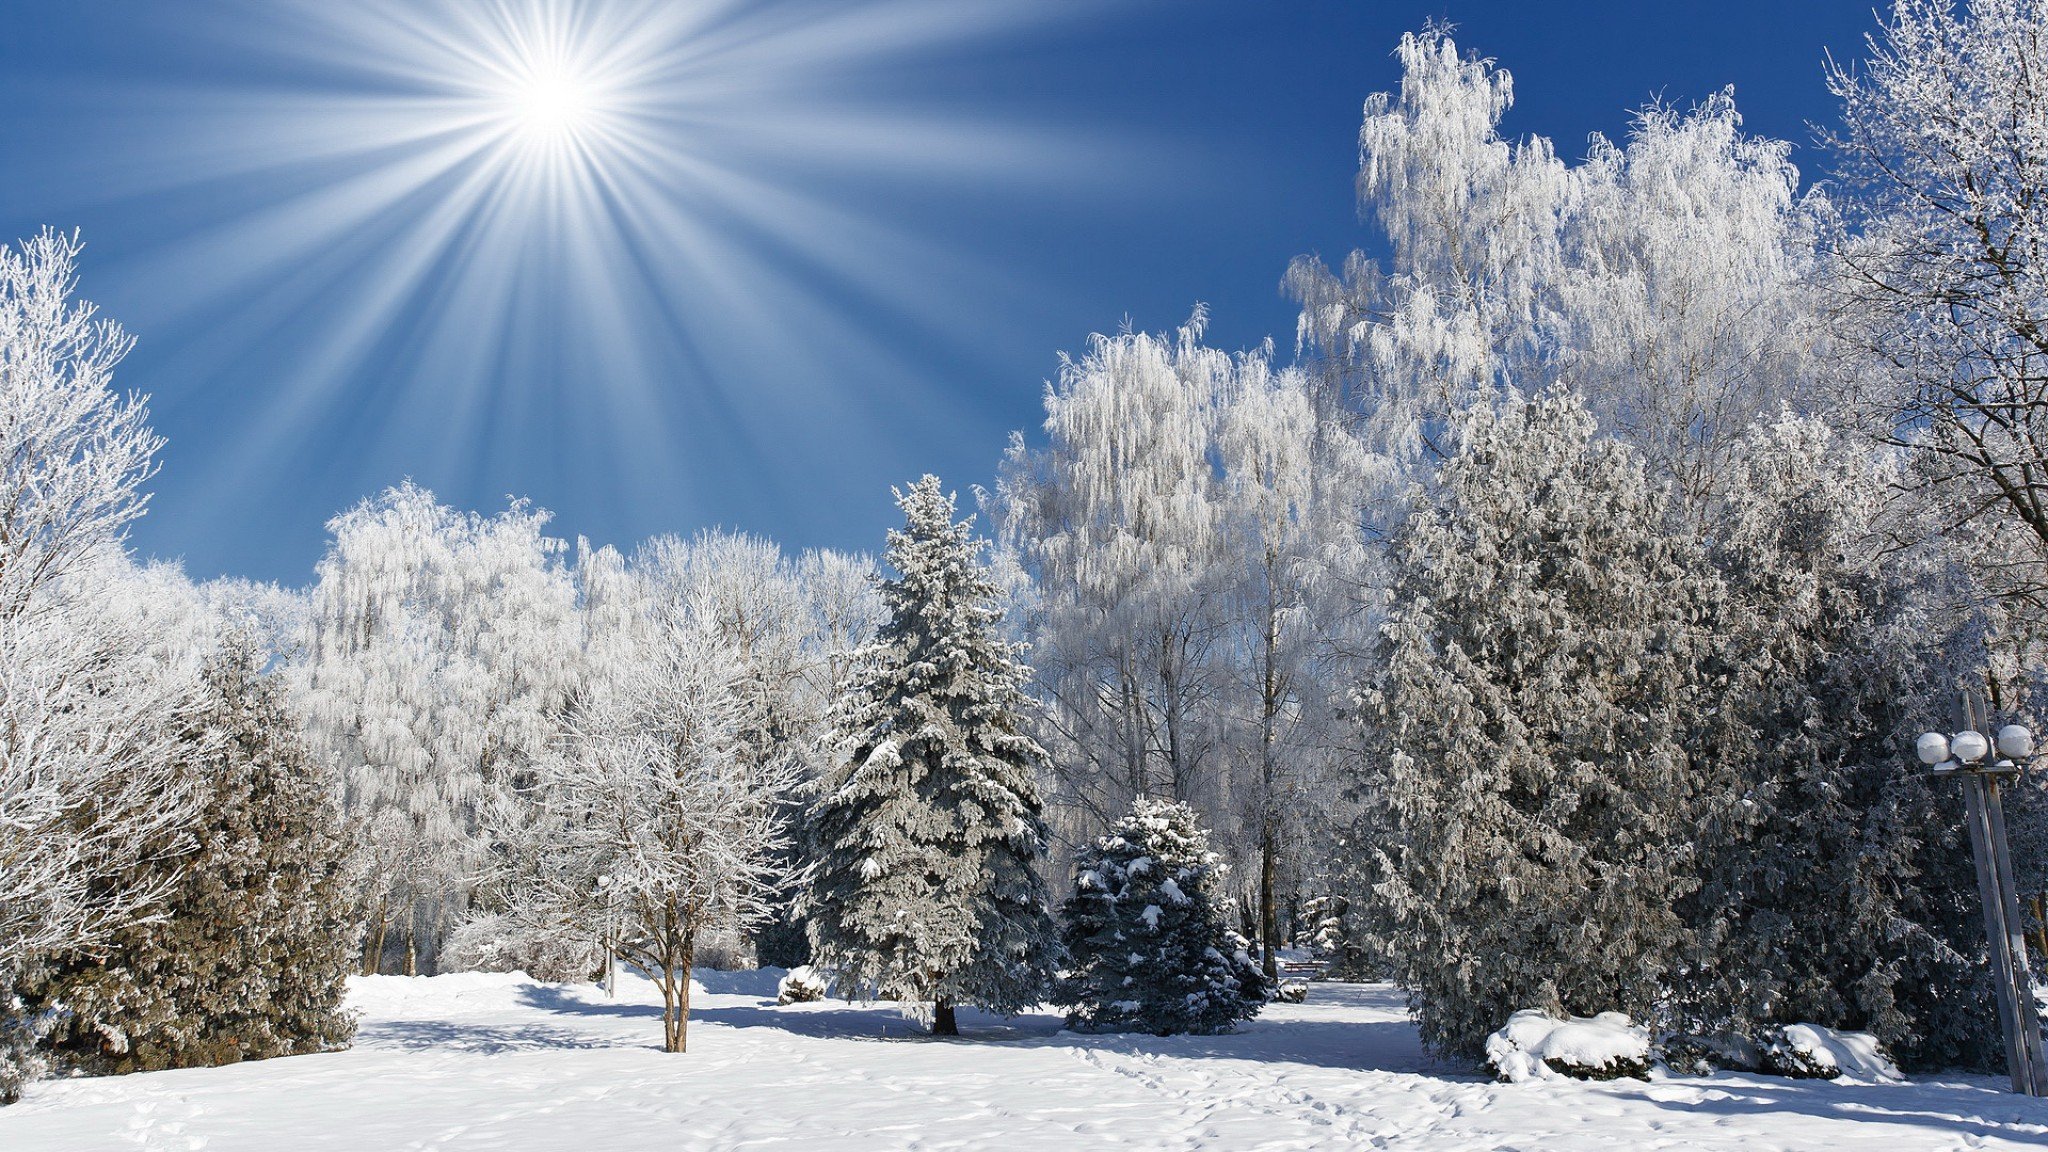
column 929, row 835
column 256, row 935
column 1149, row 948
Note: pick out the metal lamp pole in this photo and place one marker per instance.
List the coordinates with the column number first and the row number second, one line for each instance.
column 1982, row 763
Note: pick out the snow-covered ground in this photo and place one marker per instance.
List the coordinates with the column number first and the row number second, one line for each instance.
column 501, row 1062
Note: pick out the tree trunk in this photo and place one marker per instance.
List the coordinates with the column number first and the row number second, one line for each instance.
column 412, row 953
column 675, row 993
column 943, row 1023
column 1271, row 694
column 1269, row 912
column 373, row 948
column 1169, row 679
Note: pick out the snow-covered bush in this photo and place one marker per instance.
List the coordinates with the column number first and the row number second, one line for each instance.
column 1811, row 1052
column 495, row 942
column 1147, row 943
column 22, row 1056
column 1696, row 1054
column 802, row 985
column 1291, row 992
column 1534, row 1045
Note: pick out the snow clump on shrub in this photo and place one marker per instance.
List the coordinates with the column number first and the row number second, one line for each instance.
column 1538, row 1046
column 1811, row 1052
column 803, row 985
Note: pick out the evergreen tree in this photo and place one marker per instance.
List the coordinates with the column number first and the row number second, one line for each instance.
column 1149, row 948
column 256, row 935
column 929, row 834
column 1533, row 797
column 1842, row 893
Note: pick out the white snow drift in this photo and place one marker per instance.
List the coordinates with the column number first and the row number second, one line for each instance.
column 501, row 1062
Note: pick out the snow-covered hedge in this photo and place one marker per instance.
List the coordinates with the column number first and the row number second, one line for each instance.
column 1538, row 1046
column 1811, row 1052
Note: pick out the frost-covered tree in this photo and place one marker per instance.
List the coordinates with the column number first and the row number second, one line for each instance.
column 443, row 648
column 1116, row 519
column 86, row 707
column 1668, row 277
column 1941, row 274
column 1533, row 798
column 94, row 680
column 1191, row 537
column 256, row 930
column 1148, row 948
column 74, row 454
column 659, row 816
column 1684, row 308
column 1291, row 485
column 929, row 836
column 843, row 593
column 1470, row 221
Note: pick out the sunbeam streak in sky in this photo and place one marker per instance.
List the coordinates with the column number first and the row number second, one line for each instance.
column 538, row 245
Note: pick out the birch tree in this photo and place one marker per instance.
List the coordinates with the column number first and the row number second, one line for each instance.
column 1117, row 521
column 86, row 712
column 443, row 649
column 1940, row 272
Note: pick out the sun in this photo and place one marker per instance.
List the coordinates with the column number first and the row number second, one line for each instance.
column 554, row 103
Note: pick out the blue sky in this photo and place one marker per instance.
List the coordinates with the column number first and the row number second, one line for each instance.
column 874, row 228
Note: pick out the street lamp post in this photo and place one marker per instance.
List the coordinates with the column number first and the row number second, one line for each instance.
column 1982, row 763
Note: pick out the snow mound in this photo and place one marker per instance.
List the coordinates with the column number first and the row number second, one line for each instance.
column 763, row 982
column 392, row 993
column 1538, row 1046
column 1811, row 1052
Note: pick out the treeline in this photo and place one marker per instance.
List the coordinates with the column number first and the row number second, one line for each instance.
column 1547, row 630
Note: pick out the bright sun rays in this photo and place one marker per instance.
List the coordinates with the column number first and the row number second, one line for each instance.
column 553, row 104
column 635, row 237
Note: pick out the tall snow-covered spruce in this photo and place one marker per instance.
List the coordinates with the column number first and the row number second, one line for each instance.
column 1150, row 950
column 929, row 834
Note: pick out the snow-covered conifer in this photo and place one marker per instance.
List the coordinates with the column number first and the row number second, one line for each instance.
column 1839, row 892
column 929, row 835
column 1534, row 798
column 1147, row 946
column 256, row 930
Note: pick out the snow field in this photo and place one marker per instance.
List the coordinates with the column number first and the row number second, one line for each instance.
column 500, row 1062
